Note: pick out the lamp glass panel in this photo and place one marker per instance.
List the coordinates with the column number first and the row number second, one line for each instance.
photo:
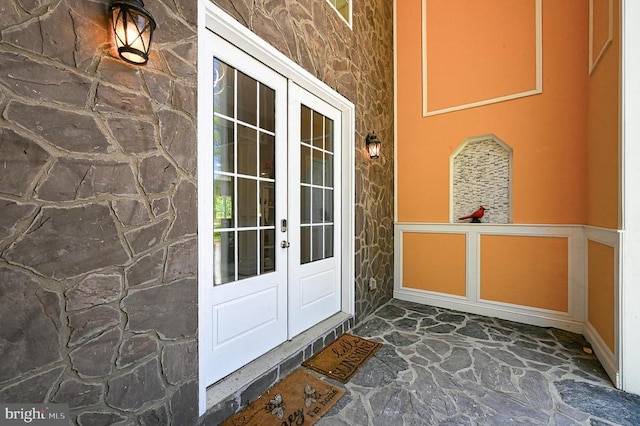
column 132, row 34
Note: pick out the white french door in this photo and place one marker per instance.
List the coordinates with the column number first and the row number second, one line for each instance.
column 246, row 162
column 314, row 209
column 269, row 210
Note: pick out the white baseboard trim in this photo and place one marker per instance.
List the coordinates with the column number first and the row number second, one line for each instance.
column 507, row 312
column 603, row 353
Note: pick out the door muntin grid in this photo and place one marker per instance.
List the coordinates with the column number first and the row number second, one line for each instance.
column 244, row 175
column 316, row 186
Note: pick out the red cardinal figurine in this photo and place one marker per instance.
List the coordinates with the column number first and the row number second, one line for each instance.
column 475, row 216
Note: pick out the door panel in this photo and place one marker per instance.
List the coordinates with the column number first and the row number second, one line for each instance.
column 248, row 145
column 314, row 206
column 232, row 318
column 312, row 288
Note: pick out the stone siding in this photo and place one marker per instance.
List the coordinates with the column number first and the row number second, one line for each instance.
column 98, row 198
column 98, row 296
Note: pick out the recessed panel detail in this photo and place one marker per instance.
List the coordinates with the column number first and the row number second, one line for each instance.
column 234, row 320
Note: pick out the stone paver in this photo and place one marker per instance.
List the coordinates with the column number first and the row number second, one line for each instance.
column 465, row 369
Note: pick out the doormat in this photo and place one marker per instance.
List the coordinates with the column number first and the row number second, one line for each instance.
column 341, row 359
column 300, row 398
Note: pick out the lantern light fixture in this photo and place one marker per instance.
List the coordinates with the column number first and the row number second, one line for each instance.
column 133, row 27
column 373, row 145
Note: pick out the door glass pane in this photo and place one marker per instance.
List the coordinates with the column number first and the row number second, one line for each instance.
column 318, row 130
column 267, row 203
column 247, row 203
column 247, row 99
column 317, row 205
column 244, row 176
column 267, row 156
column 224, row 257
column 305, row 164
column 223, row 88
column 247, row 254
column 305, row 125
column 316, row 185
column 317, row 242
column 247, row 152
column 328, row 241
column 328, row 134
column 305, row 205
column 328, row 205
column 267, row 108
column 223, row 145
column 268, row 251
column 223, row 196
column 328, row 170
column 318, row 167
column 305, row 244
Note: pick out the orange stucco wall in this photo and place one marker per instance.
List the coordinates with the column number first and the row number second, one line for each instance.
column 434, row 262
column 497, row 61
column 528, row 271
column 547, row 131
column 602, row 131
column 565, row 140
column 601, row 306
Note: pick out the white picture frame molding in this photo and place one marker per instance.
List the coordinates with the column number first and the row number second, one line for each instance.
column 593, row 63
column 534, row 91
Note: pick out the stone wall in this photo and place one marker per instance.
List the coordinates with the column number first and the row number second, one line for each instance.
column 358, row 64
column 98, row 259
column 98, row 256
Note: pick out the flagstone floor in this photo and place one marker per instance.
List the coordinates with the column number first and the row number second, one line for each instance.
column 440, row 367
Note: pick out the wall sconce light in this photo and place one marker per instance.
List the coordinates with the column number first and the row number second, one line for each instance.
column 133, row 27
column 373, row 145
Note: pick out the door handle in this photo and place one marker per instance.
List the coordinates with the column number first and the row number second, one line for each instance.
column 284, row 244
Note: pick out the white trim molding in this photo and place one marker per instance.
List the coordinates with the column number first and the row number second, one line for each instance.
column 630, row 200
column 593, row 63
column 534, row 91
column 609, row 359
column 572, row 320
column 395, row 109
column 348, row 21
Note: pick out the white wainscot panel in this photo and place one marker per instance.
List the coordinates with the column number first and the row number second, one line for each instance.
column 610, row 360
column 572, row 320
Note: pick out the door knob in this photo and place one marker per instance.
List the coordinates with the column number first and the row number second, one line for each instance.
column 284, row 244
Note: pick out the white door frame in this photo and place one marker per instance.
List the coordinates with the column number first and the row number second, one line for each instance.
column 629, row 321
column 212, row 18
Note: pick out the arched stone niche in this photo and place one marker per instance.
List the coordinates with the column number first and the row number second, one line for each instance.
column 481, row 176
